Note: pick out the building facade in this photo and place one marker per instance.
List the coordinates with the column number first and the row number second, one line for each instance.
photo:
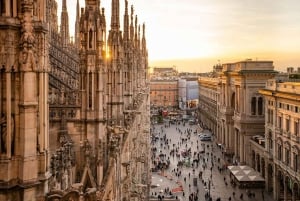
column 208, row 99
column 74, row 115
column 24, row 158
column 241, row 114
column 230, row 105
column 164, row 92
column 278, row 158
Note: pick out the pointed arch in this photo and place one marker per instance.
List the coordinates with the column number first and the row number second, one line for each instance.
column 90, row 38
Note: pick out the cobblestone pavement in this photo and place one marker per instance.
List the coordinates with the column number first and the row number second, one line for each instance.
column 218, row 181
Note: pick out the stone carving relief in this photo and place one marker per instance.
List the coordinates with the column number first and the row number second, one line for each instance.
column 61, row 164
column 3, row 130
column 27, row 59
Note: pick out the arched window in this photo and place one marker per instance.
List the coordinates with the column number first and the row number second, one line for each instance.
column 2, row 7
column 270, row 140
column 90, row 38
column 90, row 89
column 295, row 151
column 279, row 149
column 233, row 101
column 287, row 156
column 253, row 106
column 260, row 106
column 279, row 152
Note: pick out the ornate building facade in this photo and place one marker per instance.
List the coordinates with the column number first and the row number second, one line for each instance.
column 74, row 115
column 208, row 99
column 164, row 92
column 277, row 159
column 230, row 105
column 240, row 113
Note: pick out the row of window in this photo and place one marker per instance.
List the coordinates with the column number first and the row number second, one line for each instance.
column 288, row 107
column 287, row 124
column 294, row 163
column 286, row 152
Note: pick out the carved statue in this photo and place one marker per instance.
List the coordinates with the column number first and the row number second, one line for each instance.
column 3, row 126
column 3, row 133
column 27, row 60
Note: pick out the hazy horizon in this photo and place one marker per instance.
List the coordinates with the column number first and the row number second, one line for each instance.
column 202, row 65
column 182, row 33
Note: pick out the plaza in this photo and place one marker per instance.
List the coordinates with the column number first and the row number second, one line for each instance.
column 209, row 179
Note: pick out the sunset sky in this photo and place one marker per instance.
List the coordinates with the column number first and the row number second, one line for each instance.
column 193, row 35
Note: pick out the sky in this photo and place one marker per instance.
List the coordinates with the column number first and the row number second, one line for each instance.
column 194, row 35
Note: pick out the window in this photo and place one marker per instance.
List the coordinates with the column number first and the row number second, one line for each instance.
column 296, row 108
column 296, row 128
column 287, row 125
column 270, row 116
column 272, row 120
column 253, row 105
column 260, row 106
column 287, row 156
column 90, row 89
column 295, row 162
column 90, row 38
column 270, row 141
column 2, row 7
column 279, row 152
column 279, row 122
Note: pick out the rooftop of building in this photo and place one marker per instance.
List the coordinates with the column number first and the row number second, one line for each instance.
column 249, row 65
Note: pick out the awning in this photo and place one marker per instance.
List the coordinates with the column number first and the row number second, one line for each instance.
column 245, row 174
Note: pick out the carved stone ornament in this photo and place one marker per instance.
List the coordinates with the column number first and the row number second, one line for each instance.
column 26, row 57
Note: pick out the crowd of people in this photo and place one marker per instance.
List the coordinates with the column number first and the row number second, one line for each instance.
column 194, row 161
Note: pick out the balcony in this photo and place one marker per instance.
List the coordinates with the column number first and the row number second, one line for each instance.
column 259, row 140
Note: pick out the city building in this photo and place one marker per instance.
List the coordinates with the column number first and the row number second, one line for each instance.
column 276, row 154
column 208, row 99
column 230, row 105
column 164, row 71
column 182, row 101
column 164, row 93
column 75, row 116
column 240, row 106
column 188, row 93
